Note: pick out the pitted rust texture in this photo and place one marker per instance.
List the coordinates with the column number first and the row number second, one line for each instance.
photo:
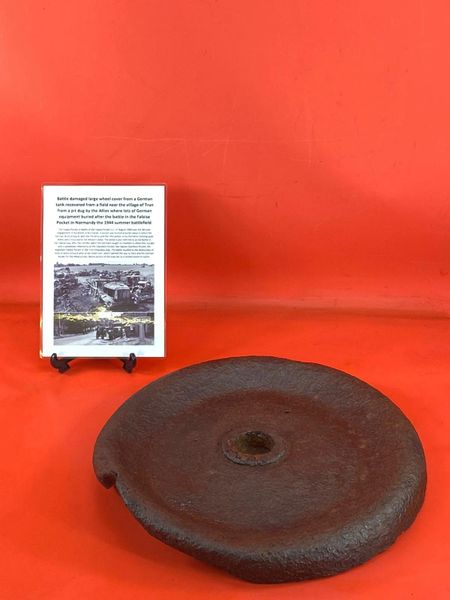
column 274, row 470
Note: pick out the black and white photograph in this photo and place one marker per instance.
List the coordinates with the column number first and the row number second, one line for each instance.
column 104, row 328
column 84, row 288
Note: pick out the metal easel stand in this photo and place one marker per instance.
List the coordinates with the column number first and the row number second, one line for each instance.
column 62, row 364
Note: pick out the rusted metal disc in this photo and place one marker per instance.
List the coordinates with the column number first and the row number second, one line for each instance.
column 273, row 469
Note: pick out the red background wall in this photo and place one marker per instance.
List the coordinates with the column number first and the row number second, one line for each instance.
column 305, row 144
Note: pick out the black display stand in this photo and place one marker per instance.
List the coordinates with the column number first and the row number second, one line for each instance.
column 62, row 364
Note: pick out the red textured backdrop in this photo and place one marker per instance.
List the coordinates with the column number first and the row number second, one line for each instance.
column 305, row 144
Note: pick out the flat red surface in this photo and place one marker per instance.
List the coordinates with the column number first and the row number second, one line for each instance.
column 64, row 536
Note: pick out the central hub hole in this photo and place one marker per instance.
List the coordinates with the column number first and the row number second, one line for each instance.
column 254, row 442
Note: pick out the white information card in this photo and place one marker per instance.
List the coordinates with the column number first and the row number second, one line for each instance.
column 103, row 270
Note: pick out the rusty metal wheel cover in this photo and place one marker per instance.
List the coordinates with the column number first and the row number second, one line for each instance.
column 272, row 469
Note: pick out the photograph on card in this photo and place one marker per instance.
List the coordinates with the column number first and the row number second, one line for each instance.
column 84, row 288
column 103, row 270
column 103, row 328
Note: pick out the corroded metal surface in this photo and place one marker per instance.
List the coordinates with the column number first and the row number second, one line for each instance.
column 274, row 470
